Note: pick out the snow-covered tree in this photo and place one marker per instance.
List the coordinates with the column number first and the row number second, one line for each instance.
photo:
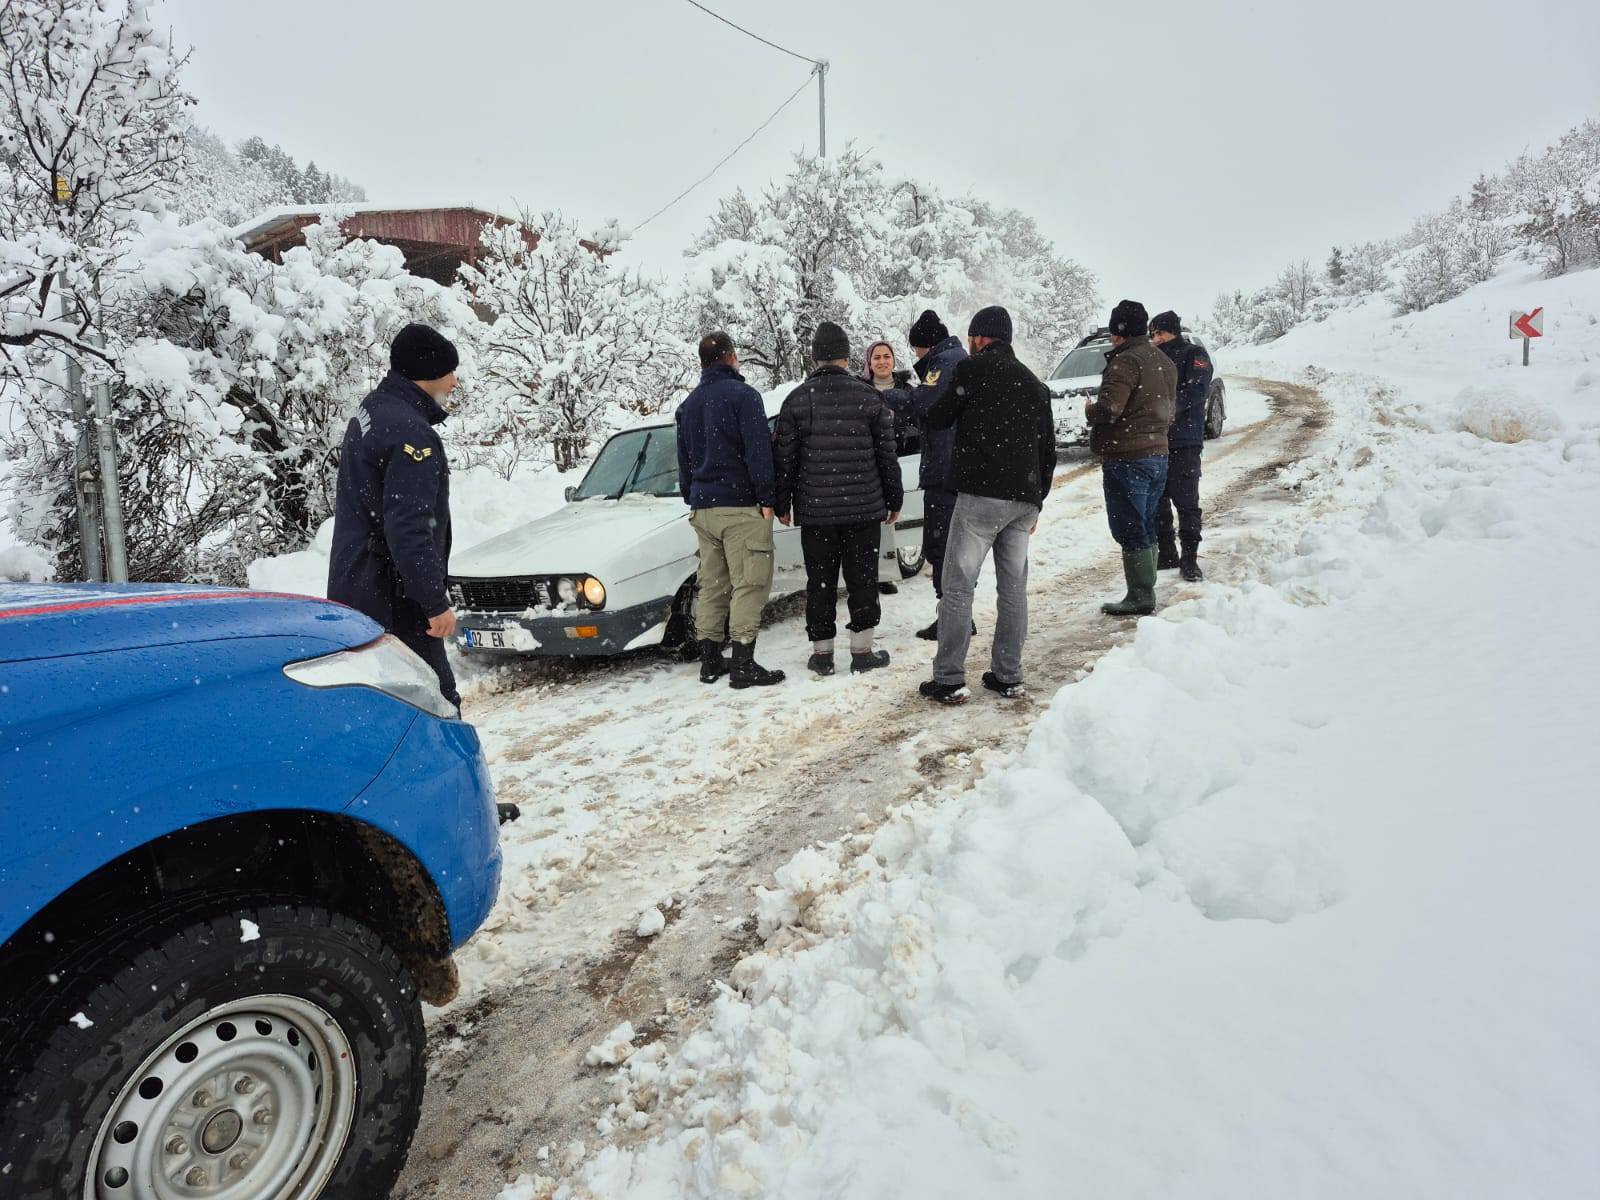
column 839, row 239
column 579, row 345
column 90, row 137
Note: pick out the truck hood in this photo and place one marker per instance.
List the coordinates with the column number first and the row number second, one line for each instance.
column 1065, row 387
column 583, row 537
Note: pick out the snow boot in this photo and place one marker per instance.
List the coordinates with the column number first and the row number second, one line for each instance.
column 931, row 633
column 1009, row 691
column 1139, row 569
column 869, row 660
column 1189, row 566
column 821, row 660
column 1168, row 559
column 712, row 665
column 945, row 693
column 747, row 672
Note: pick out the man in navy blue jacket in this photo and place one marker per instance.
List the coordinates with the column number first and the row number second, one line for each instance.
column 937, row 355
column 1185, row 442
column 391, row 520
column 726, row 477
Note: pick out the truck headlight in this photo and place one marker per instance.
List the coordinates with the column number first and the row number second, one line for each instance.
column 567, row 590
column 594, row 592
column 387, row 665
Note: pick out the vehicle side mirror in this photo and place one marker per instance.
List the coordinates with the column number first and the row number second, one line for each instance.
column 571, row 493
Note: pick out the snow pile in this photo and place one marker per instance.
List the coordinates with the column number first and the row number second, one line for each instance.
column 612, row 1049
column 1287, row 898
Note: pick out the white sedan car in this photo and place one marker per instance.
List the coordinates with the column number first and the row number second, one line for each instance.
column 614, row 568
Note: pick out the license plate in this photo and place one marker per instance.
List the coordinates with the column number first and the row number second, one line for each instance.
column 498, row 639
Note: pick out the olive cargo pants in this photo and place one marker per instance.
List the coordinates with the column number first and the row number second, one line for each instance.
column 735, row 572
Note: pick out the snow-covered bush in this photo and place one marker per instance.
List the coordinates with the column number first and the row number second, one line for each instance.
column 577, row 345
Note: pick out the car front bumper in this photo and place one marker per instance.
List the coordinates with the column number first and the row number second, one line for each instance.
column 436, row 798
column 585, row 634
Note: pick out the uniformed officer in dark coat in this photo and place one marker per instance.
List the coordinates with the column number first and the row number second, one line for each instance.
column 1185, row 440
column 391, row 522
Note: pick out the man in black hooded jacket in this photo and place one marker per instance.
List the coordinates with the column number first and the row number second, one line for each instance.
column 391, row 521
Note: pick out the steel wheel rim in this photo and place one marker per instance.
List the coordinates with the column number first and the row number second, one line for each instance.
column 252, row 1100
column 910, row 560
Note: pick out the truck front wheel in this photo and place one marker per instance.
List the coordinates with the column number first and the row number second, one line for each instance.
column 255, row 1049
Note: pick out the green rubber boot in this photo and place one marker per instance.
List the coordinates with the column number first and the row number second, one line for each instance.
column 1139, row 569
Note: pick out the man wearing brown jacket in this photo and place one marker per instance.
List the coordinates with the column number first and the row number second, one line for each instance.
column 1128, row 424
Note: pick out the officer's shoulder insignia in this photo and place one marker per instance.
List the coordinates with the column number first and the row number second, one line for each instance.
column 933, row 377
column 419, row 455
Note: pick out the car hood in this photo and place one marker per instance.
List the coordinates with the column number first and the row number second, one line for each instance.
column 59, row 619
column 583, row 537
column 1064, row 387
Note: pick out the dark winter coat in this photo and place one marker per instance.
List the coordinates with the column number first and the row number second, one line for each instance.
column 724, row 443
column 391, row 518
column 1130, row 416
column 1005, row 437
column 835, row 452
column 934, row 371
column 1194, row 386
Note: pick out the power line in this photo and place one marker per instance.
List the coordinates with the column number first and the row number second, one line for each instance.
column 757, row 36
column 792, row 97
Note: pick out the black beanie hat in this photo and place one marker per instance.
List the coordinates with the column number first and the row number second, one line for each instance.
column 419, row 352
column 1128, row 319
column 928, row 331
column 829, row 344
column 1166, row 322
column 991, row 322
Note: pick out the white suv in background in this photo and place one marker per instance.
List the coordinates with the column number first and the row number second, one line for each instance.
column 1077, row 378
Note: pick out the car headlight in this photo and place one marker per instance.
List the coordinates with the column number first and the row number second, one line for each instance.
column 387, row 665
column 567, row 591
column 594, row 592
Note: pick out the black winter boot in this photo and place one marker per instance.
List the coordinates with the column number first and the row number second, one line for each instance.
column 747, row 672
column 931, row 633
column 868, row 660
column 1189, row 568
column 820, row 663
column 1168, row 559
column 712, row 665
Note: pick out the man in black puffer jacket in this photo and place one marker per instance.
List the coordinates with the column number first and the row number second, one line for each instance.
column 838, row 472
column 937, row 353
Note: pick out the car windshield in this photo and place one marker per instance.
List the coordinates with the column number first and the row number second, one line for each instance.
column 1085, row 360
column 640, row 462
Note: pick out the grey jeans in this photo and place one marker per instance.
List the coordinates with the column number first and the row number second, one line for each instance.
column 978, row 524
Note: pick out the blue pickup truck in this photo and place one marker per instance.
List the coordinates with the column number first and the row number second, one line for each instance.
column 240, row 837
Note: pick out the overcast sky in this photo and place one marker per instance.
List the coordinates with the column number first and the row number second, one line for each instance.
column 1176, row 150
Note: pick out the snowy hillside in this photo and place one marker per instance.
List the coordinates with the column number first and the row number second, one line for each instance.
column 1291, row 896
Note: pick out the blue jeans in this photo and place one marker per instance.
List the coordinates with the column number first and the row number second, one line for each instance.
column 1133, row 497
column 979, row 525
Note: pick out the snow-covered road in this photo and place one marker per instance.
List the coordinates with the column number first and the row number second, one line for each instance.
column 641, row 788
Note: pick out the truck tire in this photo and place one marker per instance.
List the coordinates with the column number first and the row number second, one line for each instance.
column 257, row 1047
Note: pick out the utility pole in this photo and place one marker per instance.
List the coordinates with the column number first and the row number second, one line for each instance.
column 822, row 108
column 85, row 485
column 110, row 486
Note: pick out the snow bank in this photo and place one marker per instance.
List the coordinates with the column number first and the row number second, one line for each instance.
column 1288, row 897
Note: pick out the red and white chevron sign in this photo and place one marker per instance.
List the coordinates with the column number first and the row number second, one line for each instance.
column 1527, row 324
